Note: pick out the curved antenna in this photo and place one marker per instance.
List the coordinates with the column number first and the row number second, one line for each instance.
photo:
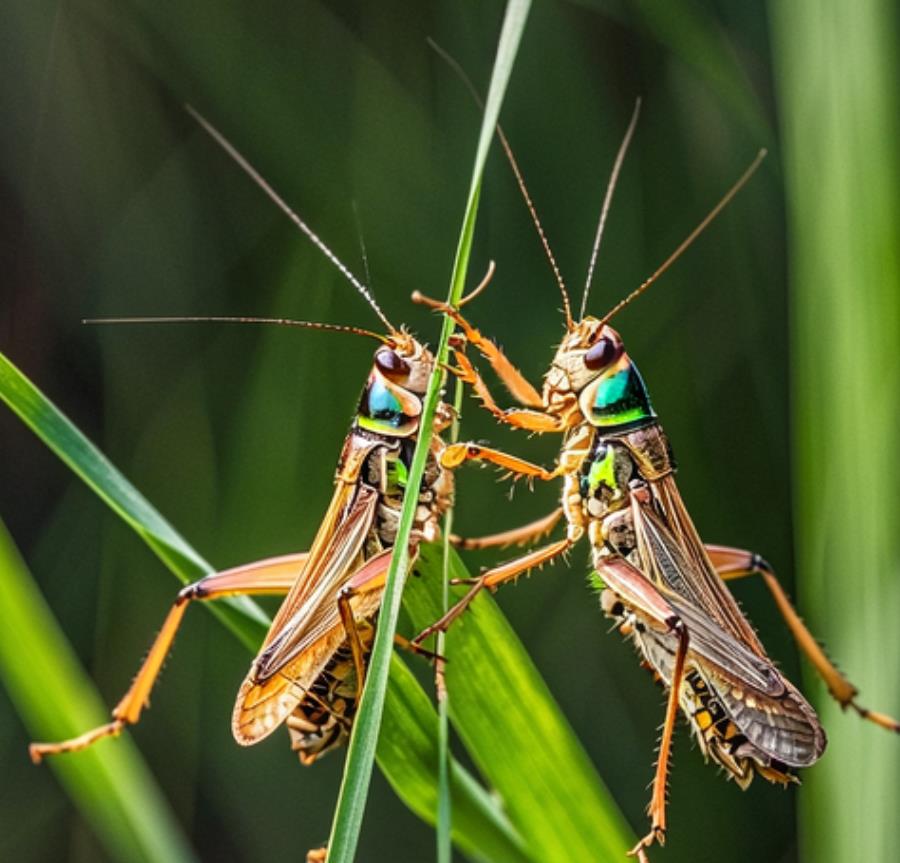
column 421, row 299
column 454, row 65
column 689, row 239
column 480, row 286
column 220, row 319
column 607, row 201
column 314, row 238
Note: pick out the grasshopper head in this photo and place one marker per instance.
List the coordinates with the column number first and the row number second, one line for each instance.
column 391, row 403
column 591, row 364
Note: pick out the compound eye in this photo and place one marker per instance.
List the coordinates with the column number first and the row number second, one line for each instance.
column 601, row 355
column 391, row 364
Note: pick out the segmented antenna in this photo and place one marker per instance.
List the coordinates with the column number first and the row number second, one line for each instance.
column 314, row 238
column 689, row 239
column 607, row 201
column 454, row 65
column 219, row 319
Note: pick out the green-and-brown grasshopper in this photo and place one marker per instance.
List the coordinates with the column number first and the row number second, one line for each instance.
column 310, row 670
column 660, row 581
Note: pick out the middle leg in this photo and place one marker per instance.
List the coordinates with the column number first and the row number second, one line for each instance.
column 524, row 535
column 493, row 578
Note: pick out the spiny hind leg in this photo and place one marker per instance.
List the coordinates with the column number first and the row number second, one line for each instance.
column 657, row 808
column 271, row 576
column 735, row 563
column 629, row 585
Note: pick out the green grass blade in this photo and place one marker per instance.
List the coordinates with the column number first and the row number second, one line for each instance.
column 242, row 615
column 840, row 105
column 408, row 756
column 445, row 811
column 110, row 784
column 357, row 773
column 515, row 733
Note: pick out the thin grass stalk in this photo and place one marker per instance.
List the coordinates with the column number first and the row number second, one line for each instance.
column 445, row 814
column 361, row 753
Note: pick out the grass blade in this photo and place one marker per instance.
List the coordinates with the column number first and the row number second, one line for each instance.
column 840, row 97
column 515, row 733
column 355, row 785
column 408, row 755
column 445, row 811
column 242, row 616
column 111, row 785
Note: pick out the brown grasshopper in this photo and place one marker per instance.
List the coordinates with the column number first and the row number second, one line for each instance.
column 310, row 670
column 659, row 580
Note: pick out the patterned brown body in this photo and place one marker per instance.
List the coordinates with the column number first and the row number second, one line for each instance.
column 322, row 720
column 745, row 715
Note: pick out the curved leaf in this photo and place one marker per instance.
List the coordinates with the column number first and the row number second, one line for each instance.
column 110, row 784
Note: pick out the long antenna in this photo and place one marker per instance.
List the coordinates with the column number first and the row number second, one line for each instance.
column 362, row 244
column 314, row 238
column 607, row 201
column 567, row 308
column 219, row 319
column 689, row 239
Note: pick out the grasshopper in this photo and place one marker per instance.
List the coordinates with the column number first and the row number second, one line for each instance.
column 665, row 588
column 310, row 670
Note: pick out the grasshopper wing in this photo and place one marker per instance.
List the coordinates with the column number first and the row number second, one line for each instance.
column 764, row 706
column 776, row 720
column 307, row 629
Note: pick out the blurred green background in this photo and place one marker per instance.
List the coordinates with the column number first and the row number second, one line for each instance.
column 770, row 349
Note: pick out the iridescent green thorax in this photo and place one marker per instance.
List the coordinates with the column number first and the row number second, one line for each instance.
column 380, row 410
column 618, row 398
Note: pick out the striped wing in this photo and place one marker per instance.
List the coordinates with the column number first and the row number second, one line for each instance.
column 766, row 708
column 763, row 704
column 673, row 557
column 307, row 629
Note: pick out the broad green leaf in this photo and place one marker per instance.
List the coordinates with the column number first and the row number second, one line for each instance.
column 109, row 783
column 515, row 733
column 408, row 756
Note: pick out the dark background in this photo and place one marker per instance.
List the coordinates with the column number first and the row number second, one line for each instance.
column 113, row 202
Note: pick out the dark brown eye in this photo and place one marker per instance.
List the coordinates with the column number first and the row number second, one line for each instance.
column 601, row 355
column 390, row 363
